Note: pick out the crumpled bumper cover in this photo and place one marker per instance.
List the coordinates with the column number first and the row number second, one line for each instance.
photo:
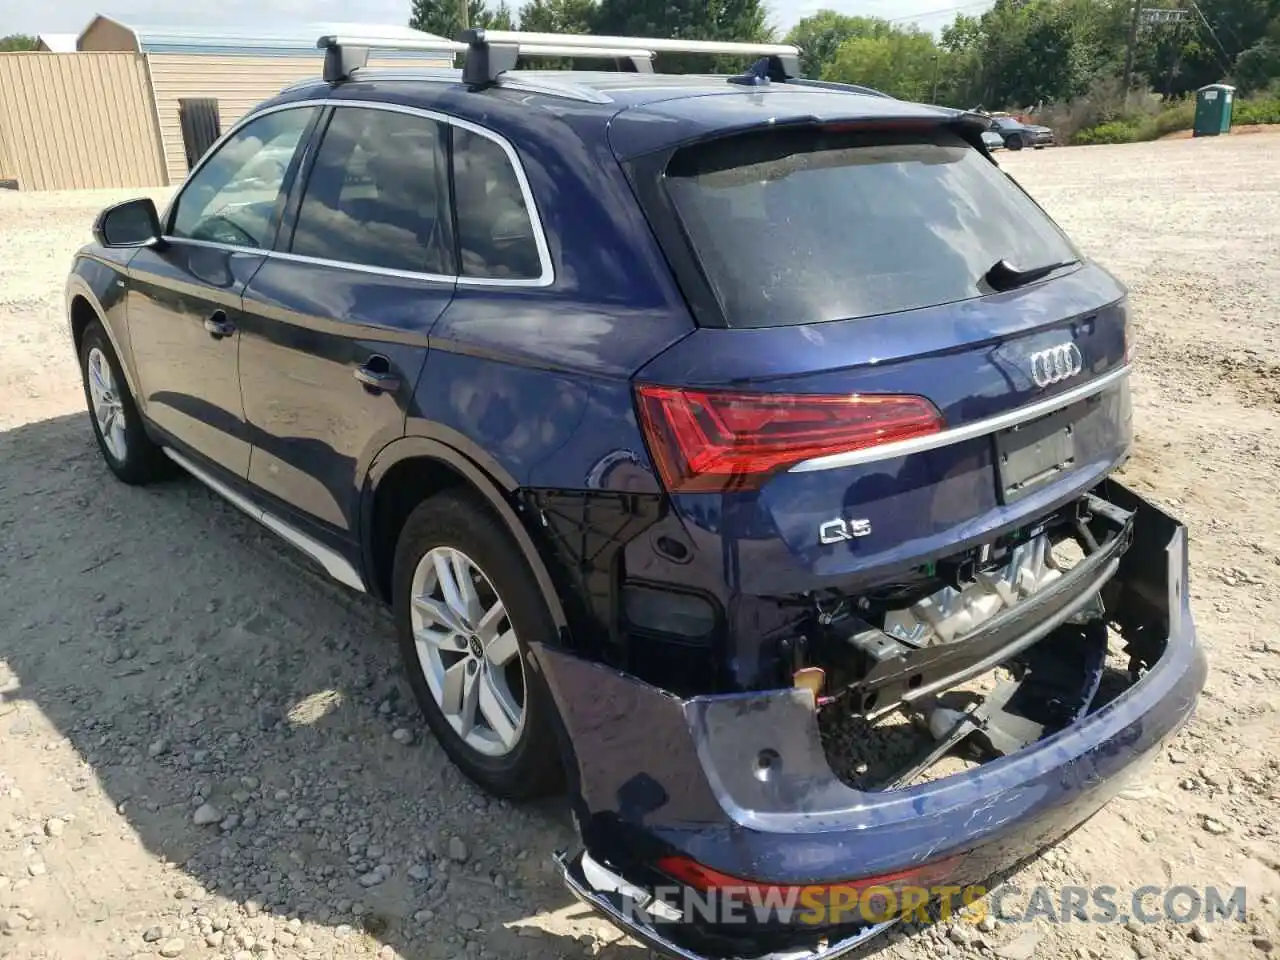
column 654, row 774
column 609, row 895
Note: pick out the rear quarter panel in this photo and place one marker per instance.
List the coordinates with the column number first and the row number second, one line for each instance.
column 537, row 379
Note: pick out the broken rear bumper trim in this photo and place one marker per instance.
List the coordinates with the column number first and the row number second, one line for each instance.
column 621, row 907
column 741, row 784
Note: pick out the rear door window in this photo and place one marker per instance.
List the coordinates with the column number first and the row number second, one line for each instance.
column 378, row 194
column 809, row 225
column 497, row 238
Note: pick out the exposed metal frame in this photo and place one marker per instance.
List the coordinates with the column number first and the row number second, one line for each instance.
column 545, row 278
column 968, row 431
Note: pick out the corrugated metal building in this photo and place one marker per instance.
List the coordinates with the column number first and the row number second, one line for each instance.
column 233, row 68
column 74, row 120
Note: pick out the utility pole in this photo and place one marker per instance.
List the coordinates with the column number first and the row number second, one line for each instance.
column 1128, row 53
column 464, row 15
column 935, row 78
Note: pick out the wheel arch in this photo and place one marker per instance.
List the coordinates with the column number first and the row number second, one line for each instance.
column 84, row 307
column 406, row 472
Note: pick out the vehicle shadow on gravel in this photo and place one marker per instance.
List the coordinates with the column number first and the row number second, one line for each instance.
column 238, row 709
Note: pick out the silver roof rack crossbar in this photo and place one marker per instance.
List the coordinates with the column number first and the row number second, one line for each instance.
column 490, row 53
column 656, row 44
column 344, row 55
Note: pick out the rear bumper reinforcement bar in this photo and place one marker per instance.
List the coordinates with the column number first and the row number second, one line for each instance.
column 923, row 672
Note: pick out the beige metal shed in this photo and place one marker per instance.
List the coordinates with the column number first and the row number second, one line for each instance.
column 233, row 68
column 69, row 121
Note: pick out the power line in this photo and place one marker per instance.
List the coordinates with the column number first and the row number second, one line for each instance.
column 1226, row 61
column 937, row 13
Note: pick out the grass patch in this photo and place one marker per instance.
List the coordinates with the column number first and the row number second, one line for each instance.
column 1179, row 116
column 1257, row 111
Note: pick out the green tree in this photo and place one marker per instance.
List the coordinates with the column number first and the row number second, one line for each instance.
column 743, row 20
column 686, row 19
column 1258, row 67
column 558, row 16
column 901, row 63
column 441, row 17
column 821, row 35
column 499, row 18
column 18, row 41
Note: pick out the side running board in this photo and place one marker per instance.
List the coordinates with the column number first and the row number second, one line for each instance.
column 333, row 562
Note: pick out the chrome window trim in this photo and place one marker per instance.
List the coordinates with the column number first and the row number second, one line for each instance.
column 968, row 431
column 545, row 279
column 362, row 267
column 215, row 245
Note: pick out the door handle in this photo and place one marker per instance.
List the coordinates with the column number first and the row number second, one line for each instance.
column 376, row 375
column 218, row 326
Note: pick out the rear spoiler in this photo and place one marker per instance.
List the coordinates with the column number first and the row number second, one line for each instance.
column 966, row 124
column 971, row 126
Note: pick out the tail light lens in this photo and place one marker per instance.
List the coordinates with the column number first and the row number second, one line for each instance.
column 710, row 441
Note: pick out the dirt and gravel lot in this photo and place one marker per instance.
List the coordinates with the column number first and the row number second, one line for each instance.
column 206, row 749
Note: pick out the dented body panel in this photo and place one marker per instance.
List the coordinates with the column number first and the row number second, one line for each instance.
column 740, row 782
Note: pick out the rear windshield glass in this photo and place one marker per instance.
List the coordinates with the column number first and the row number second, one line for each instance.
column 801, row 226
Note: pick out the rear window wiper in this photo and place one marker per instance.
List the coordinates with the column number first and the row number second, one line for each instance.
column 1004, row 276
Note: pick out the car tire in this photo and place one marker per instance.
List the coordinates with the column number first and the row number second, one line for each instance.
column 1013, row 142
column 117, row 423
column 474, row 675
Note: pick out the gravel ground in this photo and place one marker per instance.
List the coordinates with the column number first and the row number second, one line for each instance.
column 206, row 749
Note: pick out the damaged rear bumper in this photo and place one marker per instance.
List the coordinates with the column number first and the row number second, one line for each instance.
column 740, row 783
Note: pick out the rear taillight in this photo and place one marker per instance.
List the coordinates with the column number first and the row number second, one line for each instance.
column 710, row 440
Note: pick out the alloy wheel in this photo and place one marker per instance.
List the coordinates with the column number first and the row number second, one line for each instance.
column 468, row 651
column 108, row 410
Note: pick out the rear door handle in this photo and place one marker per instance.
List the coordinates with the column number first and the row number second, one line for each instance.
column 376, row 375
column 218, row 326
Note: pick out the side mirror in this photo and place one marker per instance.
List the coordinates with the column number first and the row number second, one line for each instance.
column 133, row 223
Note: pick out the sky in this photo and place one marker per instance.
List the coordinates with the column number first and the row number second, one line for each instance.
column 71, row 16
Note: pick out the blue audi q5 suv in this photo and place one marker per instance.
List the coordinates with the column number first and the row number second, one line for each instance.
column 680, row 419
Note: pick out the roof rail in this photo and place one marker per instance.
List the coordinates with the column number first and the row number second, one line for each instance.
column 835, row 85
column 490, row 53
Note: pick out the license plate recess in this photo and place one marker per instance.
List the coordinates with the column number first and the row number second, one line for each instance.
column 1035, row 453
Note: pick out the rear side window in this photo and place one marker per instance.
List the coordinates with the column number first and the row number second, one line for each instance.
column 496, row 237
column 804, row 226
column 378, row 194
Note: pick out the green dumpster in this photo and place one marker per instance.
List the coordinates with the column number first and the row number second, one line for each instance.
column 1213, row 109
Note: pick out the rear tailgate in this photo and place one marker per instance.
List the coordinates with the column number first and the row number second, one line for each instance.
column 854, row 259
column 923, row 505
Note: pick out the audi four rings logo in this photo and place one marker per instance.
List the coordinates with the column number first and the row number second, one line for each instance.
column 1056, row 364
